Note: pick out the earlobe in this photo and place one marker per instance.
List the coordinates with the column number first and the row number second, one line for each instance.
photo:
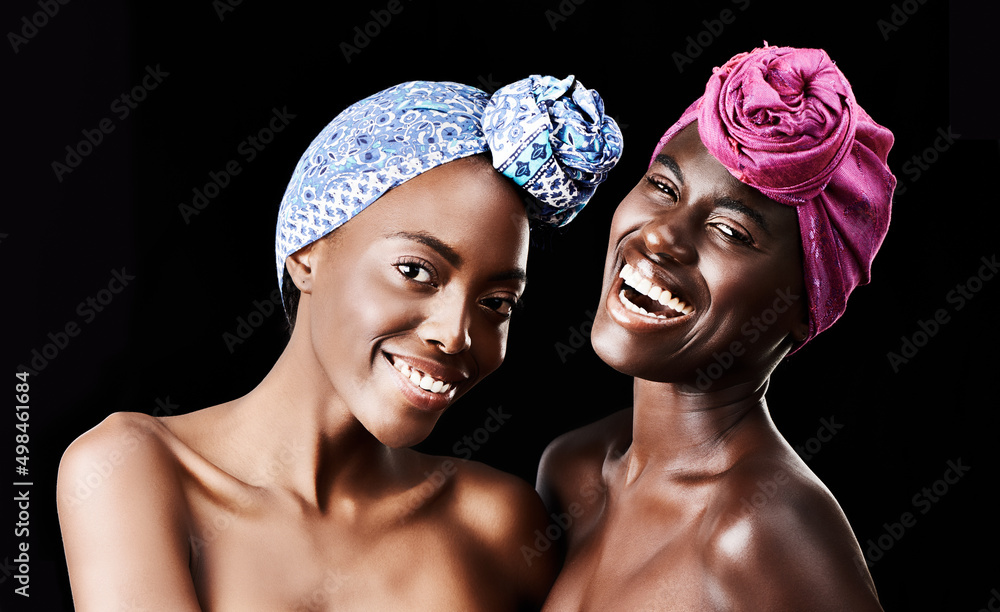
column 801, row 331
column 300, row 267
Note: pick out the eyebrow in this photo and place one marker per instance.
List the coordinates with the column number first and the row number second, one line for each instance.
column 669, row 162
column 728, row 203
column 740, row 207
column 452, row 256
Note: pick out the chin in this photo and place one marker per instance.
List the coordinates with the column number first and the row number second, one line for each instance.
column 638, row 358
column 613, row 346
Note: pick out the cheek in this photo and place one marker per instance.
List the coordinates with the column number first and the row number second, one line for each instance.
column 627, row 219
column 497, row 346
column 359, row 308
column 489, row 345
column 628, row 216
column 756, row 301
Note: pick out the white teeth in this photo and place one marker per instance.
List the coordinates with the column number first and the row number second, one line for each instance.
column 638, row 309
column 645, row 286
column 418, row 378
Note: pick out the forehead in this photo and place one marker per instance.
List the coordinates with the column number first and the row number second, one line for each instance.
column 686, row 157
column 690, row 153
column 464, row 203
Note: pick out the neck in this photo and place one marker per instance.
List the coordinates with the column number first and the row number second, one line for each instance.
column 677, row 432
column 293, row 432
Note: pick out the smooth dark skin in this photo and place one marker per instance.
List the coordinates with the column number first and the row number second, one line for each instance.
column 691, row 499
column 303, row 495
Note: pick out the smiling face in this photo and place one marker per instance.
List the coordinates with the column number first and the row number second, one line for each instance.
column 703, row 278
column 407, row 305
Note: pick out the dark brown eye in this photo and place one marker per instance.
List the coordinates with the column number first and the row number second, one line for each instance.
column 733, row 233
column 501, row 305
column 415, row 272
column 662, row 186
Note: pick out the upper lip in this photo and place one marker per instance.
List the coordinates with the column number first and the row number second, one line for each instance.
column 431, row 367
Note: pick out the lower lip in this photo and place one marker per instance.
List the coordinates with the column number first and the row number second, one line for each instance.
column 634, row 321
column 421, row 399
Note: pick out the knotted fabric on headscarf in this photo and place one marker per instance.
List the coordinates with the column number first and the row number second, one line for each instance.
column 785, row 121
column 552, row 137
column 549, row 135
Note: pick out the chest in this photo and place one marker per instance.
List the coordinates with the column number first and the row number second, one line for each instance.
column 634, row 559
column 264, row 559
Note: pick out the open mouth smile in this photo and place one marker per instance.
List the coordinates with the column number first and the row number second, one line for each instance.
column 643, row 296
column 427, row 385
column 418, row 378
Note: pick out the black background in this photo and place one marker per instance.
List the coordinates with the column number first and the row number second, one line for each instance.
column 160, row 342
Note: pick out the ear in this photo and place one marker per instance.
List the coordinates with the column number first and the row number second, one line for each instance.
column 301, row 267
column 800, row 331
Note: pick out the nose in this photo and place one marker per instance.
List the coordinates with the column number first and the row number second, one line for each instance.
column 669, row 235
column 447, row 324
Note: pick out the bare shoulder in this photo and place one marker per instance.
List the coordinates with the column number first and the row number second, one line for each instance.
column 498, row 506
column 776, row 523
column 123, row 515
column 501, row 513
column 105, row 461
column 570, row 470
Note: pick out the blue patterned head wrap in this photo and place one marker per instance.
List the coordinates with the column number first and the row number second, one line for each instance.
column 550, row 136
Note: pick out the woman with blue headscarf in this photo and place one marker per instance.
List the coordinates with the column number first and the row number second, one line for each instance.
column 400, row 251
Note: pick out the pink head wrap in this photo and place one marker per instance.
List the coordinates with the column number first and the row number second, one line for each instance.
column 784, row 121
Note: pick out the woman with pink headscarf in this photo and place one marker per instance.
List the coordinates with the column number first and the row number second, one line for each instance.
column 761, row 210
